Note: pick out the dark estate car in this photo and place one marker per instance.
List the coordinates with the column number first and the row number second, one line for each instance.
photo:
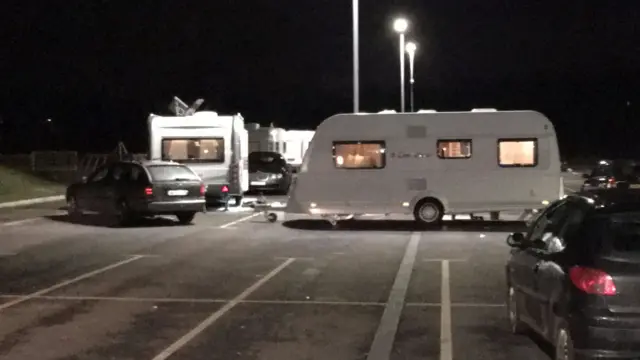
column 609, row 174
column 127, row 190
column 574, row 277
column 269, row 171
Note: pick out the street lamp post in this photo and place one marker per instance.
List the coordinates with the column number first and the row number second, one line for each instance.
column 411, row 50
column 400, row 26
column 356, row 59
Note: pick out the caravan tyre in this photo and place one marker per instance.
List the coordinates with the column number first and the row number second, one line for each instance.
column 429, row 211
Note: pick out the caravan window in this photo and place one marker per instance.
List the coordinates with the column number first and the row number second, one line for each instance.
column 517, row 152
column 198, row 150
column 454, row 149
column 359, row 154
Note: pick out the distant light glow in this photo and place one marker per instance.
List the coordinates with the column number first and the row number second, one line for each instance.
column 400, row 25
column 411, row 47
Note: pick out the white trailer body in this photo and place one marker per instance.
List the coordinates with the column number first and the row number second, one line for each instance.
column 296, row 145
column 215, row 147
column 464, row 162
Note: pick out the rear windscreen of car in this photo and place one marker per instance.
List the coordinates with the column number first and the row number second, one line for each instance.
column 172, row 173
column 266, row 162
column 618, row 232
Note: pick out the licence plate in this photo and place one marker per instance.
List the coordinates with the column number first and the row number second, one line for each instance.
column 231, row 201
column 258, row 183
column 634, row 186
column 177, row 192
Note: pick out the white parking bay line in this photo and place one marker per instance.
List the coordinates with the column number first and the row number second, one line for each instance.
column 68, row 282
column 238, row 221
column 386, row 333
column 446, row 349
column 20, row 222
column 218, row 314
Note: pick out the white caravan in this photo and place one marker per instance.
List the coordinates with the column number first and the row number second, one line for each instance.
column 292, row 144
column 215, row 147
column 428, row 165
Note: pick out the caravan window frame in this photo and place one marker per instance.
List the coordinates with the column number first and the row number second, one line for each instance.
column 383, row 146
column 470, row 141
column 220, row 160
column 535, row 152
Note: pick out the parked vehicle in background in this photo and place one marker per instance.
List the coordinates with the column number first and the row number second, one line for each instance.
column 574, row 277
column 609, row 174
column 428, row 165
column 129, row 190
column 215, row 147
column 268, row 171
column 292, row 144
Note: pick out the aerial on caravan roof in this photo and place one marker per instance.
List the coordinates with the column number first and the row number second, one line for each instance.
column 292, row 144
column 215, row 147
column 428, row 165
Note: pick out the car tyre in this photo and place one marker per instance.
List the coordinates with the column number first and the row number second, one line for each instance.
column 185, row 218
column 73, row 210
column 123, row 215
column 516, row 325
column 563, row 346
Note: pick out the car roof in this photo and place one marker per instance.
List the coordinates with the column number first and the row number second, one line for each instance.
column 147, row 163
column 612, row 201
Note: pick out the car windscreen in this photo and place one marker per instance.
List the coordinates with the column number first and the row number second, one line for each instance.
column 617, row 232
column 172, row 173
column 266, row 162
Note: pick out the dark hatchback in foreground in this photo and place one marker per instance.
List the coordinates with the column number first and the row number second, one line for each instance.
column 128, row 190
column 574, row 277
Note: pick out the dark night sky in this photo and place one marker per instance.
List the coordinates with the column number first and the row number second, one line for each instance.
column 98, row 68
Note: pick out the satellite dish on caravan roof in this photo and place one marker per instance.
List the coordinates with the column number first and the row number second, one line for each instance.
column 483, row 110
column 426, row 111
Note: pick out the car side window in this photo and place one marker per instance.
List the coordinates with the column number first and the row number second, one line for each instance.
column 547, row 226
column 99, row 175
column 138, row 175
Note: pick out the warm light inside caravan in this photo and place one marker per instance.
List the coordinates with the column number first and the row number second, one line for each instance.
column 198, row 150
column 359, row 155
column 517, row 152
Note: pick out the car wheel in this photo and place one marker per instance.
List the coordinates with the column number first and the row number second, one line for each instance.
column 516, row 326
column 123, row 215
column 185, row 218
column 563, row 347
column 72, row 207
column 429, row 211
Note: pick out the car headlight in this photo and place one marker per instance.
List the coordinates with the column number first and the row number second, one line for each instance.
column 278, row 176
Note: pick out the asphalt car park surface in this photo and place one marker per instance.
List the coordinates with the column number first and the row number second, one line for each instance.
column 233, row 286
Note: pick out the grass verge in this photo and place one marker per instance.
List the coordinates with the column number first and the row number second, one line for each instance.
column 18, row 185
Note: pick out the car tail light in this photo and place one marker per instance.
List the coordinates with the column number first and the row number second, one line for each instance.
column 203, row 189
column 592, row 281
column 148, row 191
column 612, row 182
column 225, row 188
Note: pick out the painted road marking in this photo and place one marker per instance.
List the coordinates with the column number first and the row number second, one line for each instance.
column 20, row 222
column 386, row 333
column 238, row 221
column 446, row 349
column 218, row 314
column 68, row 282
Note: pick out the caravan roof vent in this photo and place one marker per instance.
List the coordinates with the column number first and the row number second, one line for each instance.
column 387, row 112
column 427, row 111
column 483, row 110
column 252, row 126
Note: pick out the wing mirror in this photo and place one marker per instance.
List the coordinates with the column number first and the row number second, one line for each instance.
column 515, row 239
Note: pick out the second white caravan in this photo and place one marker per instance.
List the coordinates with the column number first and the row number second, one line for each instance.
column 428, row 165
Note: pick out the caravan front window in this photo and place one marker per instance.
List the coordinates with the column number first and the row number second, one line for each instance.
column 193, row 150
column 454, row 149
column 359, row 154
column 517, row 152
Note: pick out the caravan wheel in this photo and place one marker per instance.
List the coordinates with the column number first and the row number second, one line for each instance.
column 429, row 211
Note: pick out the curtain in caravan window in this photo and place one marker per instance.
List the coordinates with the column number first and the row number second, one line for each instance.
column 359, row 155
